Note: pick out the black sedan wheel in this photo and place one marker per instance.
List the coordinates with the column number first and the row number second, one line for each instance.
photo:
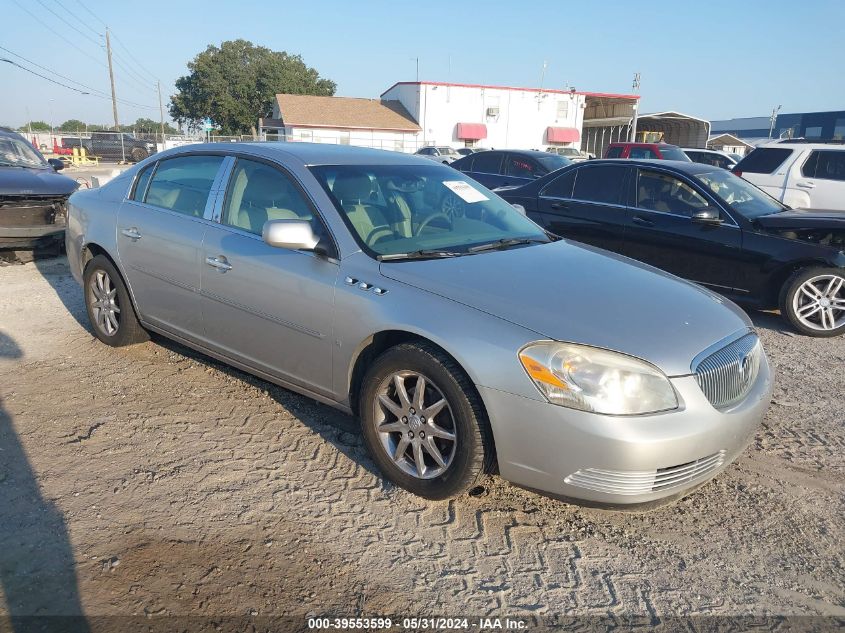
column 813, row 300
column 423, row 422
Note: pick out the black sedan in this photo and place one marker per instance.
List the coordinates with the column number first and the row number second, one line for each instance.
column 706, row 225
column 500, row 168
column 32, row 195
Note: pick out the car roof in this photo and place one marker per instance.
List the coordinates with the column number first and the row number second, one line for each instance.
column 632, row 144
column 820, row 145
column 307, row 153
column 4, row 131
column 689, row 168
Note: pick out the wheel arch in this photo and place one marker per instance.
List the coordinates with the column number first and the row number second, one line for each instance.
column 781, row 276
column 92, row 250
column 378, row 343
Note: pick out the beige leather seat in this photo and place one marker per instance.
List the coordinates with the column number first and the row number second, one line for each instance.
column 353, row 191
column 261, row 195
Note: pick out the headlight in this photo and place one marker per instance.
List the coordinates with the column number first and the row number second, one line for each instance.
column 597, row 380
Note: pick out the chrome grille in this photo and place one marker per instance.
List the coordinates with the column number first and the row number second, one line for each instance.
column 727, row 375
column 630, row 482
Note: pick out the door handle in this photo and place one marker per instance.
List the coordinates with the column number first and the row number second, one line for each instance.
column 558, row 205
column 806, row 184
column 219, row 263
column 132, row 233
column 638, row 219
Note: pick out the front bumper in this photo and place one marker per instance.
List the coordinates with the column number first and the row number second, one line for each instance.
column 622, row 461
column 32, row 236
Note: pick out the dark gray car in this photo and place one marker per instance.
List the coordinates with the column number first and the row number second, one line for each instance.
column 466, row 342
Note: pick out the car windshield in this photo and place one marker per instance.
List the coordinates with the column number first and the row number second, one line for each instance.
column 447, row 151
column 16, row 152
column 673, row 153
column 395, row 210
column 554, row 161
column 740, row 195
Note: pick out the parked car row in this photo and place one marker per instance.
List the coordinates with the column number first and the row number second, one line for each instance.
column 466, row 340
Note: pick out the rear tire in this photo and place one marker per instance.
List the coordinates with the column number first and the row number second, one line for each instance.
column 137, row 154
column 813, row 301
column 433, row 449
column 109, row 306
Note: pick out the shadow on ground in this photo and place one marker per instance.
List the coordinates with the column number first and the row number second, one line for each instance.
column 37, row 567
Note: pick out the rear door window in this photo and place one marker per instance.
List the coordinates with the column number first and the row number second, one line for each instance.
column 602, row 184
column 487, row 162
column 521, row 167
column 182, row 184
column 614, row 152
column 764, row 160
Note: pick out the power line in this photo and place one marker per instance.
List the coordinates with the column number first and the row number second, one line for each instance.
column 94, row 92
column 61, row 19
column 96, row 17
column 78, row 19
column 132, row 75
column 14, row 63
column 135, row 59
column 57, row 34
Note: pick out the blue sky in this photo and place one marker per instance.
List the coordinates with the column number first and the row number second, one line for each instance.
column 712, row 58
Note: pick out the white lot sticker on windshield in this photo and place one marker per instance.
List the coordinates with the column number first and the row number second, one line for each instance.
column 466, row 191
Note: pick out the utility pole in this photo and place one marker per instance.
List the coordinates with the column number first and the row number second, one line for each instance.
column 772, row 120
column 161, row 112
column 113, row 96
column 636, row 88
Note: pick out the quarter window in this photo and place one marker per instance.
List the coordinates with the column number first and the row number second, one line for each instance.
column 561, row 187
column 667, row 194
column 182, row 184
column 141, row 183
column 614, row 152
column 258, row 192
column 600, row 184
column 487, row 162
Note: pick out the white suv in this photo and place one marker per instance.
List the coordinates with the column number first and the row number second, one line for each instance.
column 799, row 174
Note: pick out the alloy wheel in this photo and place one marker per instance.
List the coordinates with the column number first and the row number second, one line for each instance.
column 104, row 303
column 819, row 303
column 415, row 424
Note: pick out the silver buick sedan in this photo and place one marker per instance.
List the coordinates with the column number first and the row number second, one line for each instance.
column 465, row 338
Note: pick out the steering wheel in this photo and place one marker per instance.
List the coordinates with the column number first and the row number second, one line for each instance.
column 428, row 220
column 379, row 233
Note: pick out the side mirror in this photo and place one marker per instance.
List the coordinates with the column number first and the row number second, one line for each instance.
column 519, row 208
column 56, row 164
column 709, row 217
column 290, row 234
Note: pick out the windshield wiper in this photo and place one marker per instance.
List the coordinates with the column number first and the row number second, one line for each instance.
column 506, row 243
column 421, row 254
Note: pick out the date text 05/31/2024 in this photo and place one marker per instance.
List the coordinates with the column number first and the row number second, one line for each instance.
column 418, row 623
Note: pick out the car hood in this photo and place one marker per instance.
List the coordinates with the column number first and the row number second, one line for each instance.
column 567, row 291
column 23, row 181
column 804, row 219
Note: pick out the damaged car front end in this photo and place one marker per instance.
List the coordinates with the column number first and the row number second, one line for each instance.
column 33, row 197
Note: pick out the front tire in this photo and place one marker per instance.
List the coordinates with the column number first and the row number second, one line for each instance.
column 109, row 306
column 137, row 154
column 423, row 422
column 813, row 301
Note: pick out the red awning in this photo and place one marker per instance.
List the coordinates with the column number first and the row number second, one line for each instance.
column 472, row 131
column 562, row 135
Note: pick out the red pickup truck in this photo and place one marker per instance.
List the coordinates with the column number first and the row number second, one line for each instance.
column 660, row 151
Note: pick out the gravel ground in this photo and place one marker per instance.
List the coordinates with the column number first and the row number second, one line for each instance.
column 152, row 480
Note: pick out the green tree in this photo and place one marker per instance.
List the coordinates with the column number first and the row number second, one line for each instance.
column 236, row 83
column 148, row 126
column 72, row 125
column 36, row 126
